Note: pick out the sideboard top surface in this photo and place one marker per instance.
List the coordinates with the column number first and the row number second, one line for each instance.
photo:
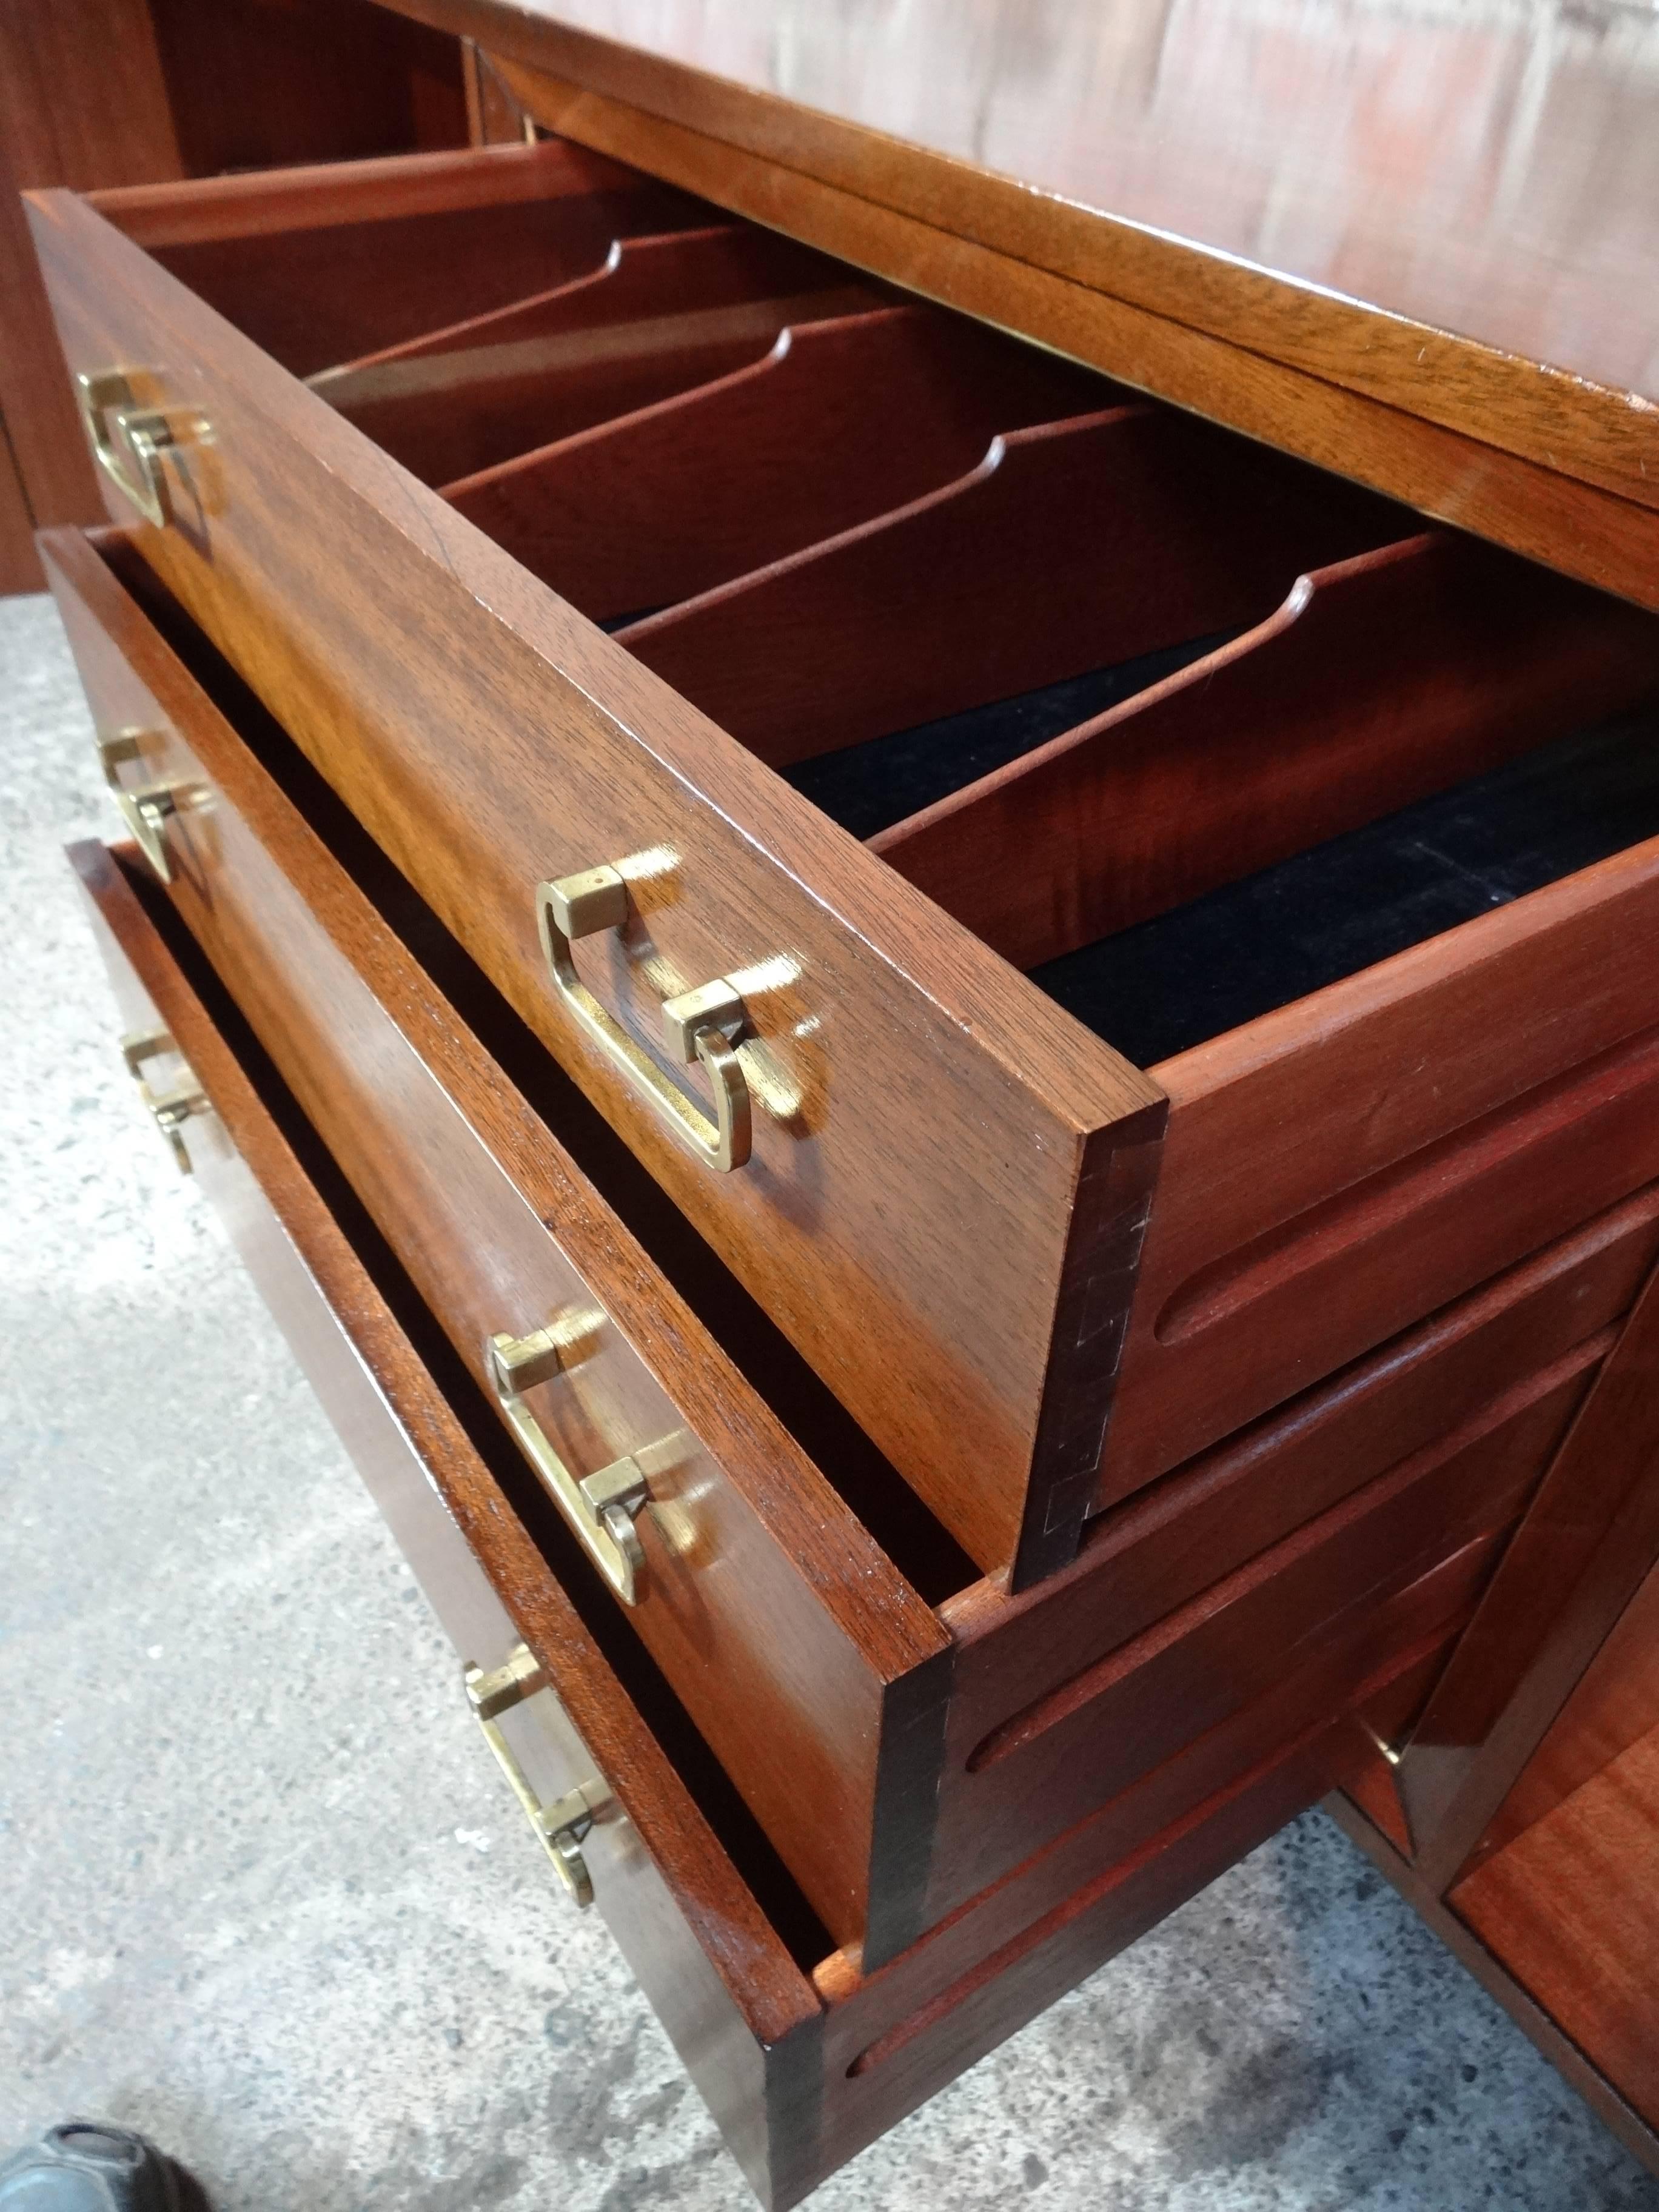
column 1491, row 170
column 1448, row 210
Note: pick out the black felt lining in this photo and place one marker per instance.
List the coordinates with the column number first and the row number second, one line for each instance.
column 867, row 787
column 1183, row 977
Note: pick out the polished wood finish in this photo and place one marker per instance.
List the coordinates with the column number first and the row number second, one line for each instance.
column 114, row 93
column 816, row 1673
column 1571, row 1907
column 1523, row 1803
column 659, row 316
column 841, row 422
column 84, row 99
column 1005, row 582
column 1599, row 535
column 44, row 468
column 807, row 1660
column 1310, row 1489
column 325, row 195
column 319, row 296
column 918, row 1104
column 1511, row 1065
column 895, row 2040
column 1615, row 1704
column 1379, row 680
column 1313, row 1607
column 800, row 2069
column 1589, row 1543
column 1205, row 186
column 1346, row 1808
column 1161, row 1550
column 717, row 1973
column 257, row 84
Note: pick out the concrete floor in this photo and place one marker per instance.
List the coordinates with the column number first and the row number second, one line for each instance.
column 262, row 1894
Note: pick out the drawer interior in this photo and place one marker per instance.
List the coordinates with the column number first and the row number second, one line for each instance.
column 1184, row 729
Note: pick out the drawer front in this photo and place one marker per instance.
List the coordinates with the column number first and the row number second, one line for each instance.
column 813, row 1668
column 481, row 1213
column 1450, row 1374
column 1338, row 1169
column 1312, row 1610
column 800, row 2069
column 713, row 1966
column 916, row 1104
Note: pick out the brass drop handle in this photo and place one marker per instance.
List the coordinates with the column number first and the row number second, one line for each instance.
column 600, row 1508
column 130, row 437
column 169, row 1109
column 703, row 1024
column 563, row 1825
column 144, row 807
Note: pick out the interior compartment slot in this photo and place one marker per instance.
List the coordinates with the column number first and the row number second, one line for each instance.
column 870, row 787
column 1071, row 547
column 334, row 292
column 843, row 420
column 1168, row 984
column 1378, row 682
column 658, row 315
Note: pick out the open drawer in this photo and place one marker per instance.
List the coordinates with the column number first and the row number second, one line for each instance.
column 802, row 2055
column 905, row 1731
column 979, row 772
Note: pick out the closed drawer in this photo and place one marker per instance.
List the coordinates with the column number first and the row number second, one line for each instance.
column 958, row 1031
column 905, row 1731
column 802, row 2055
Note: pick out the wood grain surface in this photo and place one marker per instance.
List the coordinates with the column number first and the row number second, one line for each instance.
column 1313, row 1607
column 809, row 1663
column 1262, row 179
column 316, row 196
column 1602, row 535
column 658, row 316
column 45, row 460
column 1006, row 580
column 1379, row 680
column 1585, row 1550
column 316, row 297
column 843, row 420
column 1347, row 1807
column 1570, row 1908
column 1334, row 1170
column 1155, row 1551
column 83, row 98
column 1615, row 1703
column 714, row 1967
column 918, row 1105
column 801, row 2073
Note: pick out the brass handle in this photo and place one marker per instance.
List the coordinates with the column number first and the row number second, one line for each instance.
column 130, row 437
column 562, row 1825
column 169, row 1109
column 703, row 1024
column 145, row 806
column 601, row 1507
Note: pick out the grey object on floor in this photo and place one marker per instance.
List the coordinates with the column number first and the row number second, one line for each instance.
column 80, row 2165
column 263, row 1895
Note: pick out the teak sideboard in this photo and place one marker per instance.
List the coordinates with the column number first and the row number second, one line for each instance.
column 905, row 913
